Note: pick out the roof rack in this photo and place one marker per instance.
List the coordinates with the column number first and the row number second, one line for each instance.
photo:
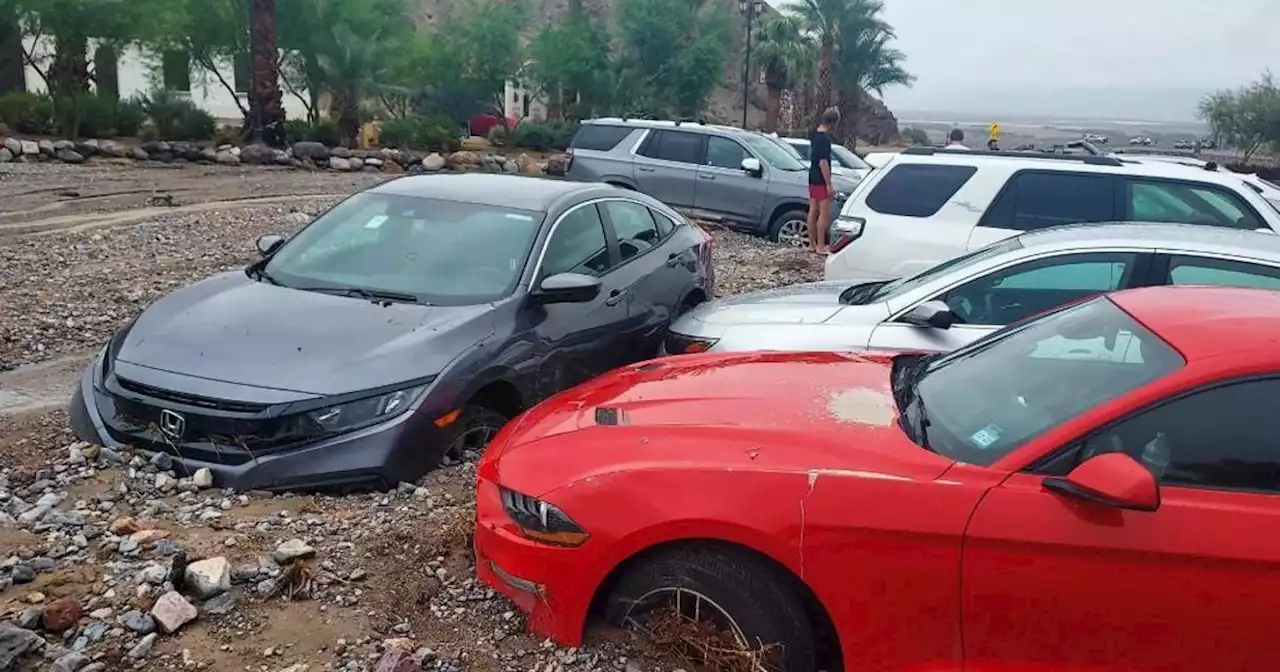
column 691, row 120
column 1082, row 158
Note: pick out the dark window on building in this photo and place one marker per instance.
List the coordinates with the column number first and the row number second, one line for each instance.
column 176, row 70
column 243, row 75
column 106, row 71
column 917, row 190
column 597, row 137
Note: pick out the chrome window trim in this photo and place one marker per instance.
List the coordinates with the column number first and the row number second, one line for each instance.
column 542, row 252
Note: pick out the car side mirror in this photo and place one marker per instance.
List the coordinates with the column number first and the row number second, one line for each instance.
column 752, row 166
column 934, row 314
column 1109, row 479
column 567, row 288
column 269, row 243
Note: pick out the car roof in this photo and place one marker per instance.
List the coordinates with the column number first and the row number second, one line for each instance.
column 508, row 191
column 1204, row 322
column 687, row 125
column 1120, row 165
column 1197, row 237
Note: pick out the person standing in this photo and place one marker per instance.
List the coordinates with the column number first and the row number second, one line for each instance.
column 821, row 188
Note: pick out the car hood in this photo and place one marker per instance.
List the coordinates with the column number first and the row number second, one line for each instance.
column 808, row 303
column 233, row 329
column 804, row 412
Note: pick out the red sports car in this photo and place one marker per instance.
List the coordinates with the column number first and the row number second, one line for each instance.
column 1096, row 489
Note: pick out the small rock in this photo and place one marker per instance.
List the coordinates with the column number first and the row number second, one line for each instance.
column 143, row 647
column 123, row 525
column 203, row 478
column 22, row 574
column 293, row 549
column 34, row 598
column 139, row 622
column 172, row 611
column 210, row 577
column 144, row 537
column 61, row 615
column 396, row 659
column 162, row 461
column 29, row 618
column 16, row 643
column 339, row 163
column 72, row 662
column 165, row 482
column 220, row 605
column 70, row 156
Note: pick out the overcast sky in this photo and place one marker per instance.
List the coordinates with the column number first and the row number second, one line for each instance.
column 1147, row 59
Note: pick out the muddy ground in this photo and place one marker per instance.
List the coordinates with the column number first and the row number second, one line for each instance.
column 85, row 248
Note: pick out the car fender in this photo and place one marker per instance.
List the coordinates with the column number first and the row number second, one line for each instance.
column 619, row 180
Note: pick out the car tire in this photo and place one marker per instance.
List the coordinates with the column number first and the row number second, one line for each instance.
column 473, row 430
column 748, row 590
column 783, row 228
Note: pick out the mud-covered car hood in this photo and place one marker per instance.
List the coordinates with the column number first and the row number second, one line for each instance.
column 233, row 329
column 775, row 411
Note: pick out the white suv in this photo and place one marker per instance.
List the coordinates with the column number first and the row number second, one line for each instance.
column 927, row 205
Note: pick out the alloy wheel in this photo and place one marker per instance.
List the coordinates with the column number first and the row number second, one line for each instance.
column 794, row 232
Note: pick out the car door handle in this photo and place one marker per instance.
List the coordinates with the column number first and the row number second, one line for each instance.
column 644, row 170
column 673, row 259
column 706, row 176
column 615, row 297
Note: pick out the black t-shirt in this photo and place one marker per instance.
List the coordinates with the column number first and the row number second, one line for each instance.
column 819, row 150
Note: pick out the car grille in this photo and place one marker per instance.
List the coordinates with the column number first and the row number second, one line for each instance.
column 232, row 433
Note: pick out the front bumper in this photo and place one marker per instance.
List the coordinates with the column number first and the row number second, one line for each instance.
column 379, row 456
column 553, row 586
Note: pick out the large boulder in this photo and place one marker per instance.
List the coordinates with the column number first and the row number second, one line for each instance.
column 257, row 154
column 14, row 146
column 462, row 160
column 316, row 151
column 434, row 162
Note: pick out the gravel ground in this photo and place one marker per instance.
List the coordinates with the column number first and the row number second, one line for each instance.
column 92, row 542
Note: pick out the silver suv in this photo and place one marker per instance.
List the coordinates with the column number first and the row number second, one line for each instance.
column 742, row 177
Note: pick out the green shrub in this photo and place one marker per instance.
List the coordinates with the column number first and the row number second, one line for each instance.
column 130, row 115
column 27, row 113
column 178, row 118
column 324, row 131
column 541, row 136
column 98, row 117
column 429, row 133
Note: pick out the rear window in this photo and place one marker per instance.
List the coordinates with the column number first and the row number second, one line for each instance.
column 602, row 138
column 917, row 190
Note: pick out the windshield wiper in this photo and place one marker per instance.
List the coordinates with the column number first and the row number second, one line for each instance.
column 905, row 380
column 261, row 274
column 374, row 295
column 921, row 424
column 861, row 293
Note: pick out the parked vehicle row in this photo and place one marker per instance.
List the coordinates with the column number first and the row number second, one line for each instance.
column 401, row 327
column 746, row 179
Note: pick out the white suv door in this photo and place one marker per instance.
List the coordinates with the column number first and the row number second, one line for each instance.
column 1037, row 198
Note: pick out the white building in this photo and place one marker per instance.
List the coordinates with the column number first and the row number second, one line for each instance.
column 139, row 73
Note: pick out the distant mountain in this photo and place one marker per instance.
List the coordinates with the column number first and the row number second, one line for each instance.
column 1130, row 103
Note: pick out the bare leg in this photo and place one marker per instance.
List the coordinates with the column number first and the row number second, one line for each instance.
column 823, row 220
column 811, row 220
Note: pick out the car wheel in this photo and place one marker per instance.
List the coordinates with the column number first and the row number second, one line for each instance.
column 704, row 592
column 474, row 429
column 790, row 228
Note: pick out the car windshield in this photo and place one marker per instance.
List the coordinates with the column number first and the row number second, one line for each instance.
column 928, row 275
column 772, row 152
column 847, row 158
column 436, row 251
column 982, row 401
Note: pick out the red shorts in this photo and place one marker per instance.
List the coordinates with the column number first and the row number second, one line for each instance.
column 819, row 192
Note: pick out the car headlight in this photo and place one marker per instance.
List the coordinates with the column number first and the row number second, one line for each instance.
column 681, row 344
column 541, row 521
column 354, row 414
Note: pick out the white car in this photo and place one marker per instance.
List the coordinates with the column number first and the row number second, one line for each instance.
column 1268, row 190
column 961, row 300
column 843, row 160
column 927, row 205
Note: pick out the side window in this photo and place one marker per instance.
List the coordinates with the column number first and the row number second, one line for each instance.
column 1038, row 199
column 674, row 146
column 665, row 224
column 578, row 245
column 1236, row 451
column 917, row 190
column 1187, row 203
column 1018, row 292
column 1206, row 271
column 724, row 153
column 597, row 137
column 634, row 226
column 802, row 150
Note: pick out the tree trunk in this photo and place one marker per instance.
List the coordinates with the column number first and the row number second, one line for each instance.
column 69, row 75
column 266, row 105
column 348, row 103
column 12, row 73
column 772, row 108
column 824, row 78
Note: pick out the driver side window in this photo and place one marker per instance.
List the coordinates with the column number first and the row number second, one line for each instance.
column 578, row 245
column 1012, row 294
column 1219, row 438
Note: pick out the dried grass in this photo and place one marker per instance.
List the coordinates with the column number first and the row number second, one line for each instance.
column 703, row 645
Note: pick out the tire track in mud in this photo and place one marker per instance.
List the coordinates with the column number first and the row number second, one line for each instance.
column 82, row 222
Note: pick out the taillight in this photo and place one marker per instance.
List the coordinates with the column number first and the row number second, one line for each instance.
column 845, row 230
column 680, row 344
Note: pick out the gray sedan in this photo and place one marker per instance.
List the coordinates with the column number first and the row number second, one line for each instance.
column 963, row 299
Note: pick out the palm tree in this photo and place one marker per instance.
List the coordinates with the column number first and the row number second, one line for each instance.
column 823, row 19
column 786, row 53
column 266, row 107
column 865, row 62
